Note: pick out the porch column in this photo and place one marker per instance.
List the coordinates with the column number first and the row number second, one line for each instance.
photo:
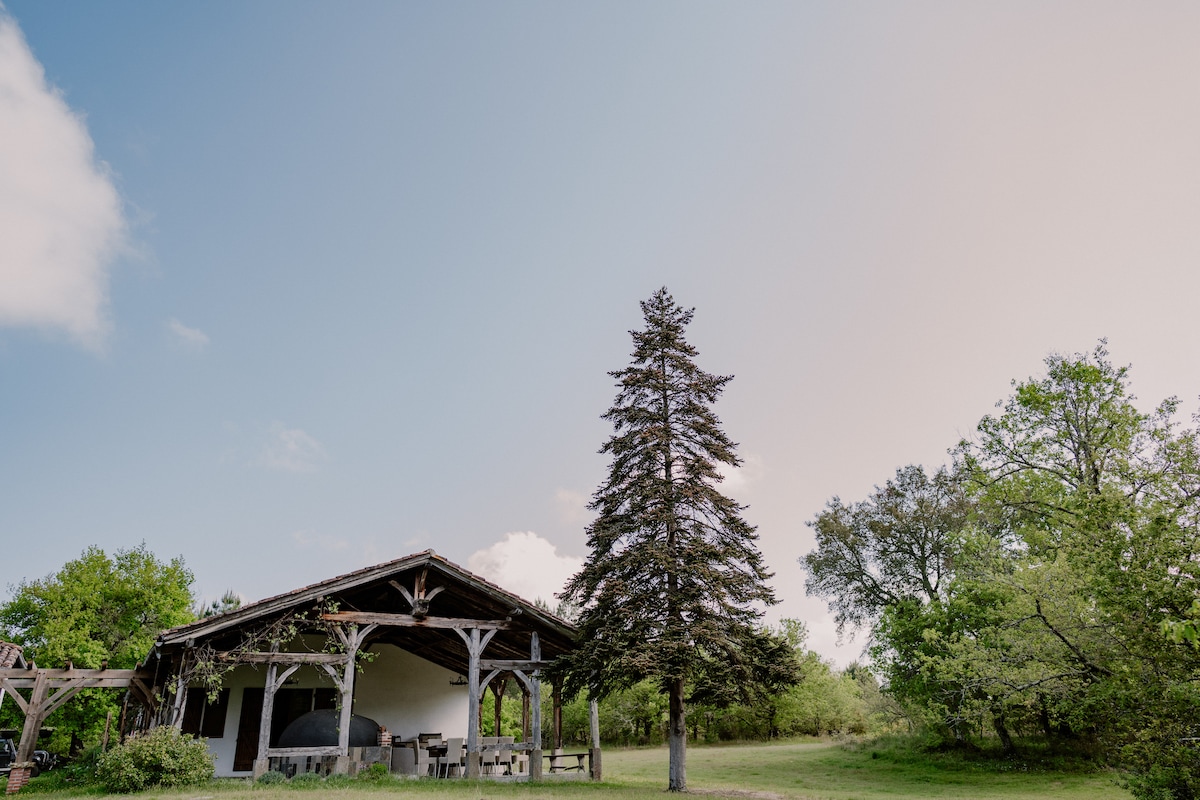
column 180, row 704
column 535, row 703
column 524, row 713
column 34, row 714
column 498, row 688
column 475, row 644
column 352, row 640
column 594, row 718
column 261, row 762
column 556, row 723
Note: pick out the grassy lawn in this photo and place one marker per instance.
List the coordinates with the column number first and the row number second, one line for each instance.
column 793, row 770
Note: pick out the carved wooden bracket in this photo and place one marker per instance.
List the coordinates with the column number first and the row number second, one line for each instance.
column 419, row 598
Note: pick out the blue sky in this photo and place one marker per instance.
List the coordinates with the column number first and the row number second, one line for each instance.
column 293, row 288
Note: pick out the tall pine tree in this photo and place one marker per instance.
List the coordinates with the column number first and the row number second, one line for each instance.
column 674, row 581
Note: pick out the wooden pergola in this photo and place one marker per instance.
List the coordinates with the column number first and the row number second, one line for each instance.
column 49, row 690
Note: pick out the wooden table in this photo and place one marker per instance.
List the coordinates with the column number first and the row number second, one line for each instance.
column 556, row 766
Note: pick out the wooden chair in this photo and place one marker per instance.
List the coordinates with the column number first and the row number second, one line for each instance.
column 504, row 758
column 454, row 759
column 487, row 758
column 424, row 762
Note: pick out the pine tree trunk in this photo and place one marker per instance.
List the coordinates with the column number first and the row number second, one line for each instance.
column 677, row 739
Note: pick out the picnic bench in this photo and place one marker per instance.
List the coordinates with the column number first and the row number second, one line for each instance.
column 560, row 761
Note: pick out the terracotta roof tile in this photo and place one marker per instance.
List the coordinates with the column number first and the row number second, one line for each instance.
column 10, row 655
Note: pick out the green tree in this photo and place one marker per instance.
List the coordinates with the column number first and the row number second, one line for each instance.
column 230, row 601
column 674, row 579
column 900, row 543
column 1095, row 504
column 97, row 610
column 1071, row 574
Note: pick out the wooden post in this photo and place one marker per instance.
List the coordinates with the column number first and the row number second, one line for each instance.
column 594, row 719
column 124, row 714
column 34, row 715
column 180, row 704
column 352, row 640
column 475, row 645
column 104, row 738
column 535, row 703
column 261, row 762
column 524, row 714
column 347, row 704
column 498, row 688
column 556, row 723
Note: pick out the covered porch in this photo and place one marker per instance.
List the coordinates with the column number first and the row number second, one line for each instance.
column 404, row 650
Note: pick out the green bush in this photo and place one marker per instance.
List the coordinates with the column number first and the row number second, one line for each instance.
column 272, row 777
column 375, row 772
column 162, row 757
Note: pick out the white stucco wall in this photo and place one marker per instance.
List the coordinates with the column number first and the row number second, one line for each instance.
column 410, row 695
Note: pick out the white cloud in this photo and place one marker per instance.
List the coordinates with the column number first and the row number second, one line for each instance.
column 738, row 480
column 291, row 450
column 572, row 506
column 526, row 565
column 192, row 337
column 60, row 212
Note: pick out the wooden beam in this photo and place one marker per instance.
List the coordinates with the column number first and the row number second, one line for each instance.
column 510, row 664
column 62, row 695
column 409, row 621
column 11, row 690
column 24, row 678
column 139, row 688
column 283, row 658
column 291, row 752
column 34, row 717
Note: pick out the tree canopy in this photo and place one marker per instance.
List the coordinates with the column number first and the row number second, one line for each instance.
column 674, row 580
column 1072, row 555
column 97, row 609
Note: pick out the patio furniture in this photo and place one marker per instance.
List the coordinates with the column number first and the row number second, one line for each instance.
column 487, row 755
column 504, row 756
column 455, row 757
column 561, row 762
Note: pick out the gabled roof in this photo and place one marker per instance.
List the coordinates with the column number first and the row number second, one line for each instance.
column 464, row 595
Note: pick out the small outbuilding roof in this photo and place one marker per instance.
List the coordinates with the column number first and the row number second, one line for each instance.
column 11, row 656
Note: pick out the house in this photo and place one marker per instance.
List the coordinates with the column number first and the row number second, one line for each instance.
column 396, row 650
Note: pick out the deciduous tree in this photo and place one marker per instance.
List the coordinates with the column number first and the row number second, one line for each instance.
column 97, row 609
column 1073, row 569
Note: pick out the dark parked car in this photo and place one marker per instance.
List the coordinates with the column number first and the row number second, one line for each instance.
column 42, row 760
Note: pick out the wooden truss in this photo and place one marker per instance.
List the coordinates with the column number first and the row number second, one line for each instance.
column 51, row 688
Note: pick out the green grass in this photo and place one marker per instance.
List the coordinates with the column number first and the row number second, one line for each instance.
column 792, row 770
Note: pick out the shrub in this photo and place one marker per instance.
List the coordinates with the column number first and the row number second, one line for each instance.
column 272, row 777
column 375, row 772
column 162, row 757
